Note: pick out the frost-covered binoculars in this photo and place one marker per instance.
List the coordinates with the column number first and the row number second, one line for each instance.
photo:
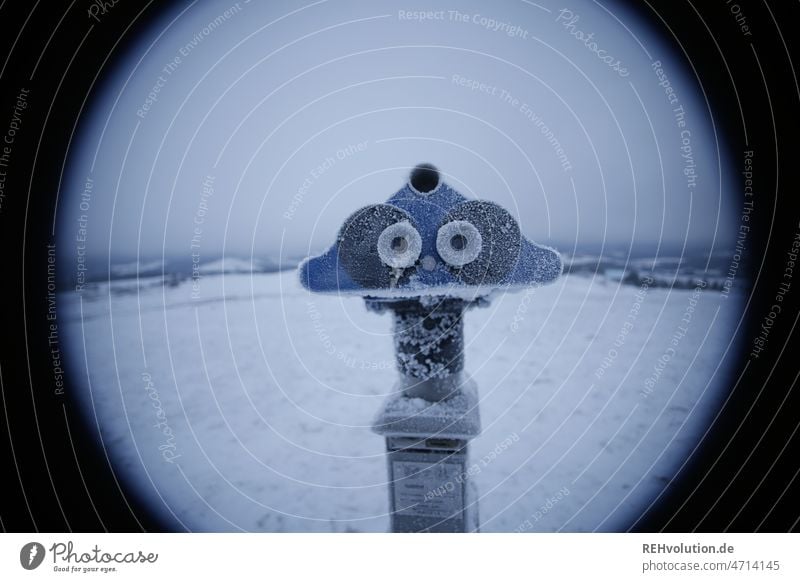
column 426, row 255
column 429, row 240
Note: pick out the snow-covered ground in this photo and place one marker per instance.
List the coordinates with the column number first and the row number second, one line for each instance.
column 248, row 406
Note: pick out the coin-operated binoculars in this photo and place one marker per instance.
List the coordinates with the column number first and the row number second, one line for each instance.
column 425, row 256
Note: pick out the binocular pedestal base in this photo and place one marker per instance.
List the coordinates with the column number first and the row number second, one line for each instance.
column 430, row 487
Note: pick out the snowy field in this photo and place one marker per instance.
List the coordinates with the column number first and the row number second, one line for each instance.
column 246, row 404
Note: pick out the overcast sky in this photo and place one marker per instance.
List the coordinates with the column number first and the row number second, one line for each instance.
column 270, row 123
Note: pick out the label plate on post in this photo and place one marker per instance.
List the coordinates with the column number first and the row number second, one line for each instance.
column 428, row 489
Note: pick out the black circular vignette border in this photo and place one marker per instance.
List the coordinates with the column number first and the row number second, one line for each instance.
column 56, row 478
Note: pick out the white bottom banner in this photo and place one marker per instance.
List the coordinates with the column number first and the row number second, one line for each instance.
column 400, row 557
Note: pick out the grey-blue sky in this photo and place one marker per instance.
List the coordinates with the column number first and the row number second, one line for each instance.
column 277, row 121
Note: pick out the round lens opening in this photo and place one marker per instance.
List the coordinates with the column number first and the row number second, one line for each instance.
column 399, row 244
column 458, row 242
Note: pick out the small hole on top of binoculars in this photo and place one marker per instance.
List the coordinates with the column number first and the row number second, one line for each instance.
column 458, row 242
column 425, row 178
column 399, row 244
